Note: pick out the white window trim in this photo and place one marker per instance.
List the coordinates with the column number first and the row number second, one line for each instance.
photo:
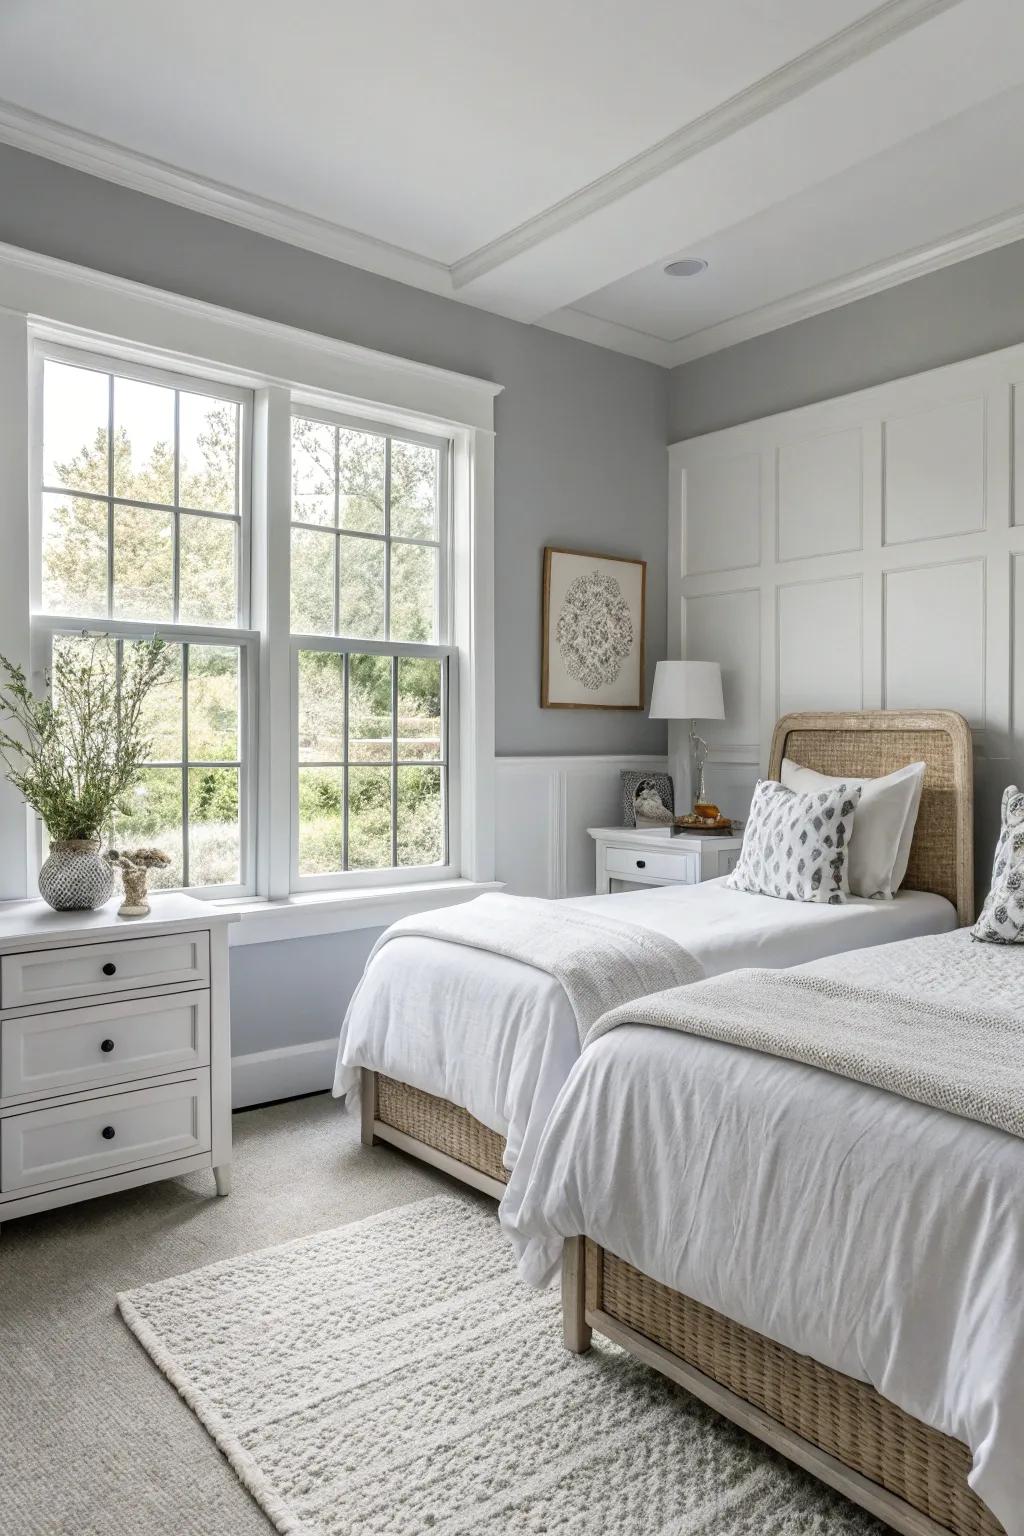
column 42, row 298
column 43, row 625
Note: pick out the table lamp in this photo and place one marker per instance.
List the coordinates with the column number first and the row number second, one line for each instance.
column 689, row 690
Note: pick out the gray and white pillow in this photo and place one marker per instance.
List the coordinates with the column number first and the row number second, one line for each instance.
column 796, row 846
column 1002, row 916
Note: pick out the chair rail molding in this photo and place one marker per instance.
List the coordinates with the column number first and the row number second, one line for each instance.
column 544, row 806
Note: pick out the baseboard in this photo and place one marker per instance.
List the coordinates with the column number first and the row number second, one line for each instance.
column 284, row 1073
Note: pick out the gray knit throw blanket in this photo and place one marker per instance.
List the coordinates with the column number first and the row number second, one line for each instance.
column 599, row 961
column 966, row 1061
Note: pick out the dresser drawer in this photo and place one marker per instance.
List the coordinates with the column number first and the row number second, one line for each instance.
column 89, row 970
column 57, row 1052
column 98, row 1135
column 630, row 864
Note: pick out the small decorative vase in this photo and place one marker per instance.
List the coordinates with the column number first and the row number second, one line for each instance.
column 136, row 893
column 75, row 878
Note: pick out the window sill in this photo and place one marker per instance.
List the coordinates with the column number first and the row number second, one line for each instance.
column 318, row 912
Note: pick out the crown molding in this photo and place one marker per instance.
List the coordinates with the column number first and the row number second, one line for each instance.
column 878, row 28
column 96, row 156
column 582, row 326
column 974, row 241
column 889, row 273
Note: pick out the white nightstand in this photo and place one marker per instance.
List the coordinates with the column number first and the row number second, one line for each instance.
column 631, row 856
column 115, row 1050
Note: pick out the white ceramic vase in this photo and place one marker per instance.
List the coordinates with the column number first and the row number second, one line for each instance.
column 75, row 878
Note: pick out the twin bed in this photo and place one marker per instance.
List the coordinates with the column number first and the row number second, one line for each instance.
column 462, row 1053
column 832, row 1265
column 778, row 1239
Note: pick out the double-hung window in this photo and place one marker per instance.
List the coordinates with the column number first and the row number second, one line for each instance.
column 373, row 672
column 144, row 525
column 142, row 478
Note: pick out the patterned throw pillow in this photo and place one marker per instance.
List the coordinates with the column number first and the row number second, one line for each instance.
column 797, row 845
column 1002, row 916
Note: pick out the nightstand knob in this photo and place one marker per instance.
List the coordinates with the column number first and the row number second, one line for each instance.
column 106, row 1045
column 641, row 863
column 109, row 969
column 107, row 1133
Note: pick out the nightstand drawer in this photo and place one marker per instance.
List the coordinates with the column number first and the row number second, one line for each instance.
column 50, row 1053
column 89, row 970
column 97, row 1135
column 632, row 864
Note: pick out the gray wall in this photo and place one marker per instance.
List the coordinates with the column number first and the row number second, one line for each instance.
column 294, row 990
column 581, row 432
column 579, row 460
column 974, row 307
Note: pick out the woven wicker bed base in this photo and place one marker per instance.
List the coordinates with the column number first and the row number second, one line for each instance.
column 436, row 1123
column 847, row 1419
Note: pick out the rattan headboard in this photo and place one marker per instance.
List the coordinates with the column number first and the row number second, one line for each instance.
column 874, row 742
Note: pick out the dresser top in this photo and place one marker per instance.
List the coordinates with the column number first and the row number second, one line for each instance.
column 34, row 925
column 665, row 839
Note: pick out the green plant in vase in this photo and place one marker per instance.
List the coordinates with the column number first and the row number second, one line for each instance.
column 76, row 752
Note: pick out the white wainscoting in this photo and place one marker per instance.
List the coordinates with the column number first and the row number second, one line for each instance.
column 865, row 552
column 544, row 806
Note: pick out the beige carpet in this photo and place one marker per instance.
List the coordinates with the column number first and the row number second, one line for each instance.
column 394, row 1377
column 93, row 1442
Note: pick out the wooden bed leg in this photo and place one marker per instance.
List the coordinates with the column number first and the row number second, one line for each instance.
column 576, row 1331
column 368, row 1104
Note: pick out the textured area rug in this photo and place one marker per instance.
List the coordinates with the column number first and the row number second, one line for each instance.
column 393, row 1378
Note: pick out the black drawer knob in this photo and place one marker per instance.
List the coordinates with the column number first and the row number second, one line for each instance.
column 107, row 1133
column 641, row 863
column 106, row 1045
column 110, row 969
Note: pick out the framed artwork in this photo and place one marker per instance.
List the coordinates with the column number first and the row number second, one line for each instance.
column 593, row 643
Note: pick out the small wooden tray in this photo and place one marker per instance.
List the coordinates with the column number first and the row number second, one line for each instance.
column 720, row 828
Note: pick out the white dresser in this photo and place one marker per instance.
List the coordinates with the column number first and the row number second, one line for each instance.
column 115, row 1050
column 633, row 856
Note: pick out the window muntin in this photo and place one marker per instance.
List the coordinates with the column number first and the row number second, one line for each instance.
column 143, row 528
column 188, row 800
column 142, row 492
column 368, row 529
column 125, row 545
column 370, row 759
column 372, row 768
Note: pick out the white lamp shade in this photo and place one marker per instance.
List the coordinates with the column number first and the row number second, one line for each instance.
column 687, row 690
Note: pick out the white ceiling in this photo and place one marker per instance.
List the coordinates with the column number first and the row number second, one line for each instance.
column 543, row 160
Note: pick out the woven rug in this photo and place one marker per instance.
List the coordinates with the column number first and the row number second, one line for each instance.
column 393, row 1378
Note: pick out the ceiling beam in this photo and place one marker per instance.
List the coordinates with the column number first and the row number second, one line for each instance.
column 865, row 109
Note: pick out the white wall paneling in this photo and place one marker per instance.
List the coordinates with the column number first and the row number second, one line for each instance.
column 935, row 638
column 722, row 514
column 819, row 627
column 544, row 807
column 935, row 472
column 864, row 552
column 820, row 494
column 1017, row 733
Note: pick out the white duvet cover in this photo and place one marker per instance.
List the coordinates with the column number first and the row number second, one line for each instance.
column 499, row 1038
column 881, row 1237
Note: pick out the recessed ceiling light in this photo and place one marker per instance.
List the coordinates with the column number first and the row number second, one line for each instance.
column 690, row 266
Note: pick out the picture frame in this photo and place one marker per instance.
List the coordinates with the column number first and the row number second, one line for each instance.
column 634, row 784
column 593, row 635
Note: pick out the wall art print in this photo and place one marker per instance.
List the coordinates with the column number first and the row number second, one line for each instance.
column 593, row 641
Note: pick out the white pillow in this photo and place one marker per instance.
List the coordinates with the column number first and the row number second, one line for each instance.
column 1002, row 916
column 795, row 845
column 886, row 818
